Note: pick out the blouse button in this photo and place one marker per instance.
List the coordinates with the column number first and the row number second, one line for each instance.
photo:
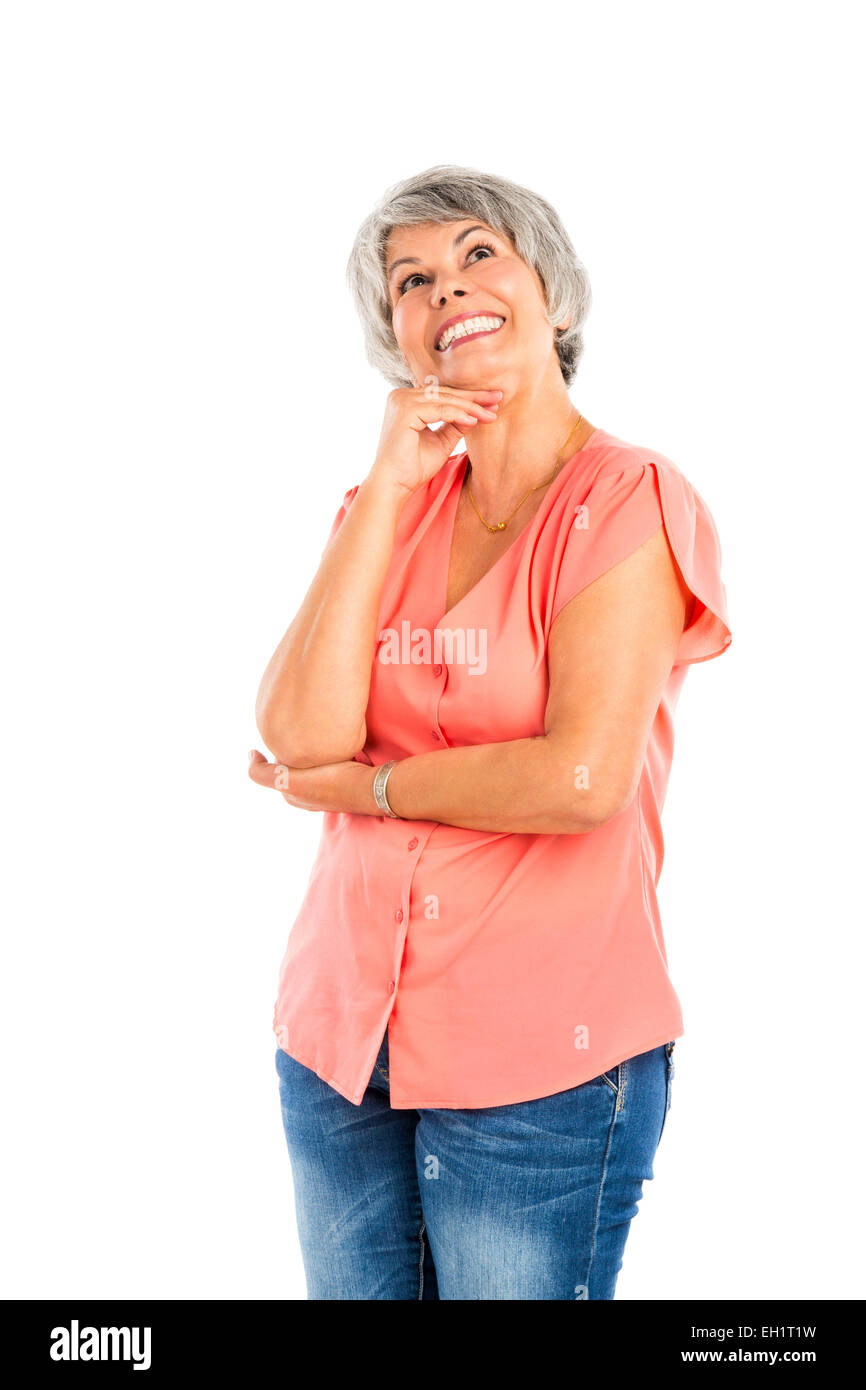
column 398, row 915
column 437, row 670
column 391, row 986
column 413, row 843
column 435, row 734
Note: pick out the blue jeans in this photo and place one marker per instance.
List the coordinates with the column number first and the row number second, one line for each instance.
column 524, row 1201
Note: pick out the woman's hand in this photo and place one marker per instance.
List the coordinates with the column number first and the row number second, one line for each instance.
column 346, row 786
column 409, row 452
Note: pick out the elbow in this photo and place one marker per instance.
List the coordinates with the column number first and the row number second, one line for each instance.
column 590, row 817
column 592, row 806
column 593, row 817
column 298, row 746
column 590, row 779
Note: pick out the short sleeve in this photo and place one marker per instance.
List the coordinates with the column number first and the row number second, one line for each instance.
column 342, row 514
column 619, row 514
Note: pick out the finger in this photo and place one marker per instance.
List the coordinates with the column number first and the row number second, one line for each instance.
column 479, row 408
column 429, row 412
column 261, row 772
column 467, row 400
column 461, row 392
column 449, row 436
column 265, row 774
column 257, row 762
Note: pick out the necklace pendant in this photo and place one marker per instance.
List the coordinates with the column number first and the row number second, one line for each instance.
column 501, row 525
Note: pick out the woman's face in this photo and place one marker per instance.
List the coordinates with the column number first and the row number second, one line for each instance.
column 438, row 272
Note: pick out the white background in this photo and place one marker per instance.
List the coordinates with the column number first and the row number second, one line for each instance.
column 186, row 400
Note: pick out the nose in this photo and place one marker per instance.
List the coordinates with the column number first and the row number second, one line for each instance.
column 442, row 290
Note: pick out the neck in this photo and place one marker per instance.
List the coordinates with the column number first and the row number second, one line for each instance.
column 522, row 447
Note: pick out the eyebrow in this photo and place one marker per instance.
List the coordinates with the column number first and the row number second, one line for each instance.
column 413, row 260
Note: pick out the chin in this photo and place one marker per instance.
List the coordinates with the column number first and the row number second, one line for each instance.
column 471, row 364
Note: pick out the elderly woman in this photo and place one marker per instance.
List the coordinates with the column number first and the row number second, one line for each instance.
column 475, row 1021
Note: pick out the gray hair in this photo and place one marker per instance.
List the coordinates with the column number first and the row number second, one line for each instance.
column 449, row 193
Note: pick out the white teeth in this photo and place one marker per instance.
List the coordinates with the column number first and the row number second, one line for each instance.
column 480, row 323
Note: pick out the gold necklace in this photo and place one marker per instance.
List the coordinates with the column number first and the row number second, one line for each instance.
column 501, row 525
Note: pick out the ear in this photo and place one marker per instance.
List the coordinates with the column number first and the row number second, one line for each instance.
column 561, row 327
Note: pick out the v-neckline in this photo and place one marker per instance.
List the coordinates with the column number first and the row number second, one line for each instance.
column 451, row 527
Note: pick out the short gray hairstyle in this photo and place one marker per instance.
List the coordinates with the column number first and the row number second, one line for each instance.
column 449, row 193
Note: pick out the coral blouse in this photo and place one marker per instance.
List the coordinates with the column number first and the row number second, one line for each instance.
column 504, row 966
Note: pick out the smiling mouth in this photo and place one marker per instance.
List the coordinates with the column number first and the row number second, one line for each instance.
column 474, row 327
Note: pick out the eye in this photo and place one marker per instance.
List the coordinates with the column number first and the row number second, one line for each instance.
column 406, row 284
column 481, row 246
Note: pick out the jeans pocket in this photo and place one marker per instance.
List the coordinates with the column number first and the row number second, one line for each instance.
column 613, row 1079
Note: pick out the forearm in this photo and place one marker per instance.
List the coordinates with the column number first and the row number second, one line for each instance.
column 526, row 786
column 313, row 695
